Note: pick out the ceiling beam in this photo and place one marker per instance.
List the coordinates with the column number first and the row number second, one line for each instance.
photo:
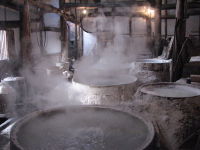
column 189, row 13
column 117, row 4
column 45, row 7
column 9, row 24
column 10, row 5
column 190, row 5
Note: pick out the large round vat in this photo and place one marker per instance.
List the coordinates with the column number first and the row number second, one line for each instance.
column 19, row 84
column 81, row 128
column 15, row 82
column 3, row 103
column 170, row 90
column 174, row 106
column 160, row 67
column 7, row 97
column 153, row 64
column 108, row 89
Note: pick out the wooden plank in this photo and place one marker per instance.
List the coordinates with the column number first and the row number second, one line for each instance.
column 9, row 24
column 45, row 7
column 178, row 57
column 189, row 13
column 173, row 6
column 197, row 146
column 106, row 4
column 53, row 29
column 7, row 4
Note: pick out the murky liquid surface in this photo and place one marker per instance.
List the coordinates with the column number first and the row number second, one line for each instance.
column 171, row 90
column 84, row 130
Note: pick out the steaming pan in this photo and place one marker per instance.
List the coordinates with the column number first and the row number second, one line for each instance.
column 81, row 128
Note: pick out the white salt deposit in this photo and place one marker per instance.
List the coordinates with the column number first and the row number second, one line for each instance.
column 174, row 91
column 154, row 61
column 13, row 78
column 6, row 89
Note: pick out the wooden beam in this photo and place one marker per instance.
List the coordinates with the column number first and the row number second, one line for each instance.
column 168, row 17
column 46, row 8
column 108, row 4
column 52, row 29
column 190, row 5
column 7, row 4
column 35, row 20
column 193, row 12
column 135, row 14
column 10, row 24
column 189, row 13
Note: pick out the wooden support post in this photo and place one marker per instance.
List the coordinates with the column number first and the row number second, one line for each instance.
column 41, row 30
column 149, row 37
column 80, row 42
column 9, row 24
column 148, row 22
column 64, row 37
column 130, row 26
column 76, row 36
column 180, row 29
column 26, row 36
column 199, row 28
column 157, row 27
column 166, row 14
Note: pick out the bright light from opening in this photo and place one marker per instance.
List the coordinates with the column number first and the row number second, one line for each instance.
column 150, row 12
column 84, row 11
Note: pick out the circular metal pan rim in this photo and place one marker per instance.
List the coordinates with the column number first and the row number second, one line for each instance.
column 153, row 61
column 74, row 81
column 16, row 127
column 168, row 83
